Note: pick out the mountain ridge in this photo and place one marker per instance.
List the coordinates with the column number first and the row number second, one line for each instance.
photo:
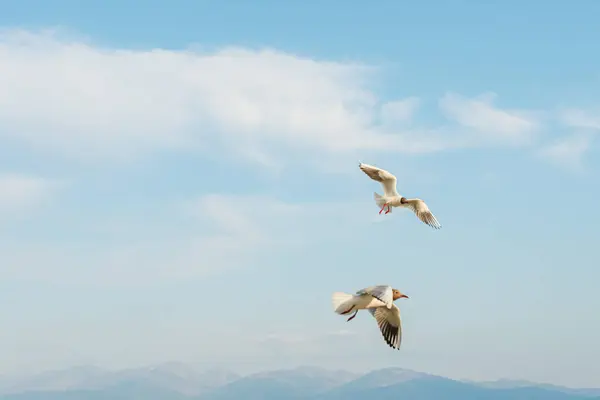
column 176, row 381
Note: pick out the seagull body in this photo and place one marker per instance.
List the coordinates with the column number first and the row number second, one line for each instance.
column 391, row 197
column 379, row 301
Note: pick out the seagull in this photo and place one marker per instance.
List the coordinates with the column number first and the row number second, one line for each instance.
column 379, row 300
column 392, row 198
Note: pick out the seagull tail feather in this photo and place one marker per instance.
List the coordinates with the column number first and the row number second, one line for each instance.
column 341, row 302
column 379, row 200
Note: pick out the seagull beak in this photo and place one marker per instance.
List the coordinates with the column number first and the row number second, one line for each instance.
column 404, row 296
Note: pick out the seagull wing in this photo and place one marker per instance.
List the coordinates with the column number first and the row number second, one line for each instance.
column 390, row 324
column 421, row 210
column 387, row 180
column 382, row 293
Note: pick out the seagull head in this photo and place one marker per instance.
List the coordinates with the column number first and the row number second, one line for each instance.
column 398, row 294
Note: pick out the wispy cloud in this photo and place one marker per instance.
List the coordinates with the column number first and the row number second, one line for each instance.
column 400, row 110
column 200, row 237
column 93, row 102
column 578, row 118
column 567, row 151
column 225, row 237
column 268, row 107
column 19, row 192
column 489, row 121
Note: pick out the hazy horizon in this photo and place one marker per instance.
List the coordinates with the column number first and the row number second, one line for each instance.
column 180, row 183
column 201, row 369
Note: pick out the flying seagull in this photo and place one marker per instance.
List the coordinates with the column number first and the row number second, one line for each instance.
column 379, row 300
column 392, row 198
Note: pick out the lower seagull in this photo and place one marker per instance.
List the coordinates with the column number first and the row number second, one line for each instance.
column 379, row 300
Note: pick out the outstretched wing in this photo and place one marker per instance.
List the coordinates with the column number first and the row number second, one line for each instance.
column 382, row 293
column 421, row 210
column 387, row 180
column 390, row 324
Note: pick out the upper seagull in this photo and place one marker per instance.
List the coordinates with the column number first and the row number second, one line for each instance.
column 392, row 198
column 379, row 300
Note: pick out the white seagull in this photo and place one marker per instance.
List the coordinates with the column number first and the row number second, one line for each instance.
column 392, row 198
column 379, row 300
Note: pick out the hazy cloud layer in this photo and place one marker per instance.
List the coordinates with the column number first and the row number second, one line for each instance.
column 71, row 97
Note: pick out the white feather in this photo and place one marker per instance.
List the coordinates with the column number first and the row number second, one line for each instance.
column 342, row 302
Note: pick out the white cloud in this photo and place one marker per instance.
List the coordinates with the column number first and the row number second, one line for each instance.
column 250, row 221
column 92, row 103
column 490, row 122
column 225, row 238
column 567, row 151
column 86, row 101
column 577, row 118
column 204, row 236
column 399, row 111
column 19, row 192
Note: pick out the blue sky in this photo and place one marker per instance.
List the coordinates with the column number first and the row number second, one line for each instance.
column 180, row 184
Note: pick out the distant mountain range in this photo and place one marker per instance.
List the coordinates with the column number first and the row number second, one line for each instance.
column 176, row 381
